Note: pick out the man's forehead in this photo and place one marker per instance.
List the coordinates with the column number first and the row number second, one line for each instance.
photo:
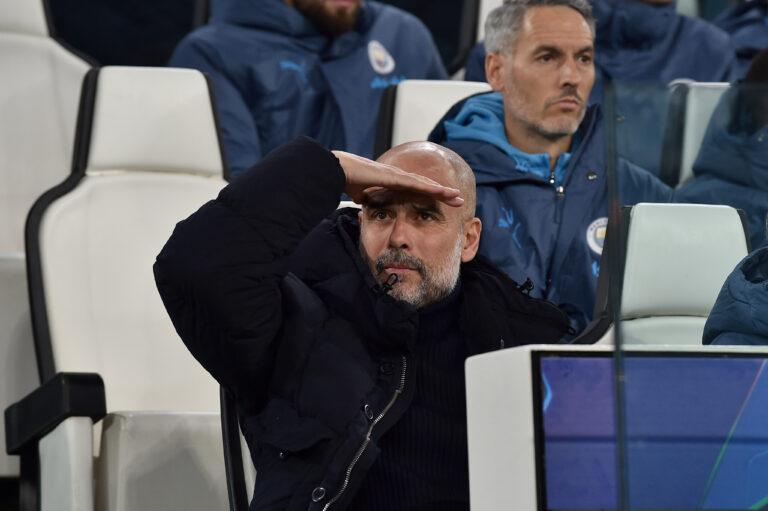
column 387, row 198
column 555, row 26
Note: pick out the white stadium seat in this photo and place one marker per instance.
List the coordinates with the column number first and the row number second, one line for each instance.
column 147, row 155
column 486, row 6
column 677, row 258
column 411, row 109
column 691, row 107
column 38, row 100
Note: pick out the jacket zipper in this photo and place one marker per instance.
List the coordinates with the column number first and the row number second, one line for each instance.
column 560, row 190
column 367, row 440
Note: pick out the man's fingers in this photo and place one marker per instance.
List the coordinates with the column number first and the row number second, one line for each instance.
column 451, row 199
column 365, row 177
column 401, row 180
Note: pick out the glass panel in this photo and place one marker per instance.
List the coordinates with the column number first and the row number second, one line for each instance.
column 691, row 423
column 696, row 435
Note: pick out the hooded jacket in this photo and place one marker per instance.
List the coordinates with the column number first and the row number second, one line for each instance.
column 550, row 233
column 640, row 43
column 732, row 165
column 276, row 302
column 747, row 24
column 739, row 316
column 275, row 76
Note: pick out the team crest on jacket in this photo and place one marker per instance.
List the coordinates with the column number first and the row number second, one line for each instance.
column 381, row 61
column 596, row 234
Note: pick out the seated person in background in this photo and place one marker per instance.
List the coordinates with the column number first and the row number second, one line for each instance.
column 747, row 24
column 740, row 313
column 646, row 42
column 732, row 165
column 538, row 153
column 640, row 44
column 343, row 337
column 283, row 68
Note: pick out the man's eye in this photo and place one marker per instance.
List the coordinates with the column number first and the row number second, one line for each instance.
column 545, row 58
column 426, row 216
column 586, row 59
column 380, row 215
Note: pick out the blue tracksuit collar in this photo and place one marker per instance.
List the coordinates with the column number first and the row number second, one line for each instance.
column 481, row 118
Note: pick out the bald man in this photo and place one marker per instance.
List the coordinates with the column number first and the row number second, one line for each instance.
column 342, row 334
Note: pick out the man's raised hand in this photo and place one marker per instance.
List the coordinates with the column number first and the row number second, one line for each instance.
column 365, row 176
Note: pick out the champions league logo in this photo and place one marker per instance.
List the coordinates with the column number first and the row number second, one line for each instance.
column 381, row 61
column 596, row 234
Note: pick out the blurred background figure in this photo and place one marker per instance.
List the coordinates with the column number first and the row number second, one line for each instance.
column 304, row 67
column 747, row 24
column 732, row 165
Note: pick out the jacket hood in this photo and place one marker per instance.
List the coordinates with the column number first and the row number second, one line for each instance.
column 738, row 316
column 276, row 17
column 631, row 24
column 742, row 14
column 733, row 148
column 492, row 165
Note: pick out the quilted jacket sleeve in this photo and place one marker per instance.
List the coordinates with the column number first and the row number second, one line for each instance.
column 219, row 274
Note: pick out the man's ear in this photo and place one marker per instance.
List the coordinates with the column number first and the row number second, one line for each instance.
column 471, row 239
column 494, row 71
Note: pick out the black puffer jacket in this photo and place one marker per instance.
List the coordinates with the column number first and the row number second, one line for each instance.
column 279, row 306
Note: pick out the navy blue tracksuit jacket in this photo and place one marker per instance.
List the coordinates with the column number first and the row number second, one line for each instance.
column 532, row 231
column 275, row 76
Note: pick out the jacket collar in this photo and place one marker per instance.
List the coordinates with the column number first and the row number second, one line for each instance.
column 491, row 165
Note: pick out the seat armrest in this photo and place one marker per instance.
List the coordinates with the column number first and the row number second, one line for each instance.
column 65, row 395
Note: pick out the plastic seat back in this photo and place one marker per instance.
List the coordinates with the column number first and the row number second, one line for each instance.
column 39, row 97
column 147, row 156
column 38, row 100
column 411, row 109
column 691, row 107
column 677, row 258
column 486, row 6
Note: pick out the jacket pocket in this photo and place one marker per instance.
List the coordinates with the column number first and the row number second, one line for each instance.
column 280, row 426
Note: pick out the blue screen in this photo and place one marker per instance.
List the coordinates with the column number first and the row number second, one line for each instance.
column 696, row 432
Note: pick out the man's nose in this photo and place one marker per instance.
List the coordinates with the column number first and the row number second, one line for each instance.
column 570, row 73
column 400, row 235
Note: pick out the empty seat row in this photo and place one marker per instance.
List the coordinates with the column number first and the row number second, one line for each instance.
column 146, row 155
column 39, row 96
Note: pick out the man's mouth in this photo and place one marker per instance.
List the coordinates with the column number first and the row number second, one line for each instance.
column 569, row 101
column 400, row 263
column 399, row 268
